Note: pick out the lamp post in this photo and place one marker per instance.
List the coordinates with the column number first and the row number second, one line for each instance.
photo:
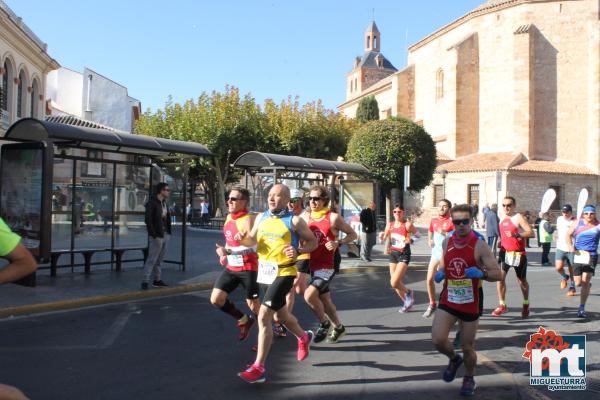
column 444, row 173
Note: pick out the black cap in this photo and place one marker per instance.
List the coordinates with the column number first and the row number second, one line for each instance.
column 567, row 208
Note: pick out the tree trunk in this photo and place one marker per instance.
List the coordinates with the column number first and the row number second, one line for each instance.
column 220, row 190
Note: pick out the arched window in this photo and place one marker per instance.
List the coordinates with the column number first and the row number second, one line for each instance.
column 374, row 42
column 21, row 96
column 439, row 84
column 351, row 86
column 368, row 41
column 355, row 84
column 33, row 102
column 7, row 79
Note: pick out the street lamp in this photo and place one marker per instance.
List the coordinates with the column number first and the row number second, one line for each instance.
column 444, row 173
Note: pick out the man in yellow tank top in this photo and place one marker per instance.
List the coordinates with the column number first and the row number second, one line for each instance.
column 277, row 234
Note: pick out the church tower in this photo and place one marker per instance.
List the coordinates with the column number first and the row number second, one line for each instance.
column 371, row 67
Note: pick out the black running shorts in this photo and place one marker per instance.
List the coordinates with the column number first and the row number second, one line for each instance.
column 397, row 257
column 464, row 316
column 579, row 269
column 321, row 282
column 228, row 281
column 303, row 266
column 276, row 292
column 520, row 270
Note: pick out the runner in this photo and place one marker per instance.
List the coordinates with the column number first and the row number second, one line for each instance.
column 514, row 229
column 277, row 233
column 585, row 252
column 563, row 254
column 466, row 261
column 296, row 206
column 399, row 231
column 438, row 229
column 325, row 225
column 240, row 262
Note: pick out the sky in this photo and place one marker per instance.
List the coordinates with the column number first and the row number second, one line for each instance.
column 271, row 49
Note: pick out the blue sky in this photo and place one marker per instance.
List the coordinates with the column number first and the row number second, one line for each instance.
column 269, row 48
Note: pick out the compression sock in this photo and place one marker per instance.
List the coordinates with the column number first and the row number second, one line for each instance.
column 525, row 302
column 502, row 303
column 229, row 308
column 565, row 276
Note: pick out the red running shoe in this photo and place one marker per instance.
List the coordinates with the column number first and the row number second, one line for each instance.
column 304, row 345
column 245, row 328
column 253, row 375
column 501, row 309
column 525, row 311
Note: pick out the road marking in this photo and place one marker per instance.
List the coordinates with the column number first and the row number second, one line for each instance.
column 115, row 329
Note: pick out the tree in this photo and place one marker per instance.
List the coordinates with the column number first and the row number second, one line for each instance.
column 386, row 146
column 368, row 110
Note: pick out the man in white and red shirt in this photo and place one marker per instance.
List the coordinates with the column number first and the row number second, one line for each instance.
column 514, row 230
column 438, row 230
column 240, row 262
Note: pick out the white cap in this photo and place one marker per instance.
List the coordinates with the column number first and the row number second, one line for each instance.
column 296, row 193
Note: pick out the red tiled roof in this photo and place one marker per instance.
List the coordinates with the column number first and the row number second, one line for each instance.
column 441, row 156
column 553, row 167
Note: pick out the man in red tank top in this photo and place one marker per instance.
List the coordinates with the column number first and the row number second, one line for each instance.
column 325, row 225
column 240, row 262
column 466, row 261
column 514, row 230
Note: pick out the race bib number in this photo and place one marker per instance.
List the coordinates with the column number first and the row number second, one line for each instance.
column 460, row 291
column 398, row 241
column 267, row 272
column 582, row 257
column 324, row 274
column 512, row 258
column 235, row 260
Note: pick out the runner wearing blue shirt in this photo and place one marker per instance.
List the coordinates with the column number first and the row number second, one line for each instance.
column 586, row 235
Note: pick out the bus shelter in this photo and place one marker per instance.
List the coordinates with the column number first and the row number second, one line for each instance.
column 348, row 183
column 76, row 194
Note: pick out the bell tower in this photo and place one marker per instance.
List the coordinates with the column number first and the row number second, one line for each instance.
column 372, row 38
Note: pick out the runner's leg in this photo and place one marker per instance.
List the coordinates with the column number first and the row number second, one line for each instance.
column 290, row 322
column 330, row 309
column 501, row 286
column 440, row 330
column 468, row 332
column 431, row 270
column 397, row 278
column 586, row 278
column 311, row 295
column 265, row 334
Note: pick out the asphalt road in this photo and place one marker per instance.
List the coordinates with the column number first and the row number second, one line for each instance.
column 181, row 348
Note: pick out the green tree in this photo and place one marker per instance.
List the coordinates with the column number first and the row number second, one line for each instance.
column 386, row 146
column 368, row 109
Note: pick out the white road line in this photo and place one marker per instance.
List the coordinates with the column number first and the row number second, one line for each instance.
column 115, row 330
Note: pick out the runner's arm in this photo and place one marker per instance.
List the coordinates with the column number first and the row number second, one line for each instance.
column 524, row 225
column 21, row 264
column 343, row 226
column 487, row 262
column 383, row 235
column 570, row 233
column 307, row 237
column 246, row 238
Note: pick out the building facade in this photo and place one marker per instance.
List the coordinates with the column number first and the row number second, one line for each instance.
column 24, row 65
column 510, row 93
column 91, row 97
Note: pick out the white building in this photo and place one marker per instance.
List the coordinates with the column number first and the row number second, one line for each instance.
column 24, row 64
column 91, row 97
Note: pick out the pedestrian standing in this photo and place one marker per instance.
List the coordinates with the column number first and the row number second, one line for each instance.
column 484, row 212
column 545, row 231
column 158, row 225
column 368, row 219
column 204, row 212
column 475, row 207
column 492, row 231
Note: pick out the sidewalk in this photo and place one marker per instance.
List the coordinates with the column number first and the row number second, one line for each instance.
column 71, row 290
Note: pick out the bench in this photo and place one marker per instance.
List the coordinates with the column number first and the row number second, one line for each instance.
column 89, row 253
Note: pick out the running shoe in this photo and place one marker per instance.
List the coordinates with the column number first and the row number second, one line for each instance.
column 159, row 284
column 564, row 282
column 144, row 285
column 304, row 345
column 409, row 299
column 525, row 311
column 322, row 331
column 572, row 292
column 581, row 313
column 453, row 365
column 430, row 310
column 279, row 330
column 337, row 334
column 245, row 328
column 253, row 375
column 468, row 386
column 501, row 309
column 456, row 342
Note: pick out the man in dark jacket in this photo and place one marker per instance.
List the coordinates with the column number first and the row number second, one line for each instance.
column 158, row 224
column 492, row 229
column 368, row 219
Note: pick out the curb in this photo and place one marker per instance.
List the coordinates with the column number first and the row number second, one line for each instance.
column 140, row 295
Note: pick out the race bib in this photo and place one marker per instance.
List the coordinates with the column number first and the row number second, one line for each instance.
column 582, row 257
column 398, row 241
column 324, row 274
column 235, row 260
column 460, row 291
column 267, row 272
column 512, row 258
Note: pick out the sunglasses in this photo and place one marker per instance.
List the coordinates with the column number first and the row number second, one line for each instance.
column 315, row 199
column 233, row 199
column 458, row 222
column 507, row 205
column 295, row 199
